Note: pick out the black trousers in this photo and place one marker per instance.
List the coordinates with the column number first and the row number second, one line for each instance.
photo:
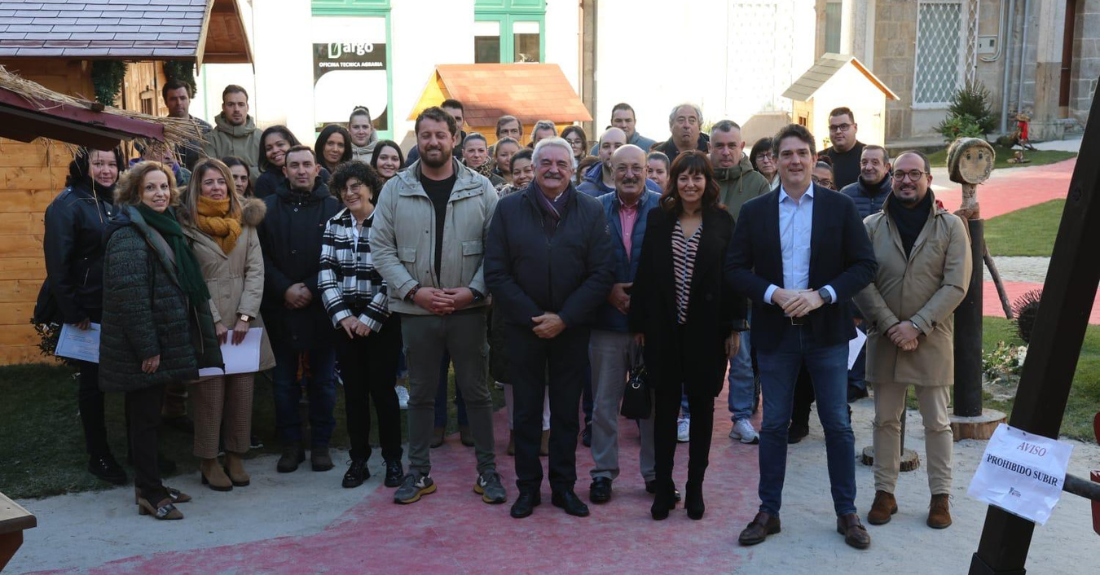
column 89, row 400
column 565, row 359
column 666, row 410
column 143, row 407
column 368, row 366
column 803, row 398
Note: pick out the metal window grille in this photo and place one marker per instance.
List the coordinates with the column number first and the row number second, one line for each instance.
column 940, row 51
column 972, row 40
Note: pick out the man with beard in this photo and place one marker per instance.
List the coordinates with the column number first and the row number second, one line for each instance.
column 235, row 133
column 909, row 309
column 686, row 124
column 429, row 235
column 458, row 112
column 177, row 98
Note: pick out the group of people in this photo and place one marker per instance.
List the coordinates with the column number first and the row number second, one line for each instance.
column 556, row 267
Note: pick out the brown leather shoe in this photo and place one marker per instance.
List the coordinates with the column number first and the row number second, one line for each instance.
column 884, row 506
column 939, row 512
column 853, row 531
column 762, row 525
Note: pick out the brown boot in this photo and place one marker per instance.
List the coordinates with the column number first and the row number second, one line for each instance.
column 437, row 437
column 234, row 468
column 884, row 506
column 544, row 447
column 939, row 512
column 213, row 476
column 511, row 442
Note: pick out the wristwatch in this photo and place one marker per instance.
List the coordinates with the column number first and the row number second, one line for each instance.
column 826, row 296
column 245, row 317
column 478, row 296
column 411, row 296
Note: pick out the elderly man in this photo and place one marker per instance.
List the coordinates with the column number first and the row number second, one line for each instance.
column 686, row 124
column 600, row 179
column 623, row 118
column 612, row 351
column 846, row 151
column 543, row 129
column 737, row 184
column 924, row 267
column 547, row 264
column 235, row 133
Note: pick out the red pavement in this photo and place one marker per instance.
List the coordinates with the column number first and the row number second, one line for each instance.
column 453, row 532
column 1014, row 189
column 991, row 304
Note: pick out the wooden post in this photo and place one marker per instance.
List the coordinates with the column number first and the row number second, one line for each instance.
column 968, row 332
column 1055, row 348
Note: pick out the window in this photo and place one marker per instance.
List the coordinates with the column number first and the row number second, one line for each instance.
column 147, row 102
column 832, row 27
column 939, row 55
column 508, row 31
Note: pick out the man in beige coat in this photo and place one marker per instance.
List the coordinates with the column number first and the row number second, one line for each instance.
column 924, row 267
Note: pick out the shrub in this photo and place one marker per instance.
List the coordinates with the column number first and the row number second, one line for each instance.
column 970, row 113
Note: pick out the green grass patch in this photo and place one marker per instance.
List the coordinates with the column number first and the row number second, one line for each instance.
column 42, row 440
column 938, row 159
column 1027, row 232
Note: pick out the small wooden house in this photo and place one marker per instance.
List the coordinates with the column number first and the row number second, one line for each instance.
column 56, row 46
column 840, row 80
column 530, row 92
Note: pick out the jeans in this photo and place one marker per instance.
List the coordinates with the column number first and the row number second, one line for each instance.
column 441, row 398
column 828, row 367
column 288, row 392
column 742, row 390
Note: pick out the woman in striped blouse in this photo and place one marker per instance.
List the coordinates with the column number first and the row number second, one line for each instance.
column 369, row 339
column 687, row 319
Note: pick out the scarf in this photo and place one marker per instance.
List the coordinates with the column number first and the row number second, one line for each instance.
column 213, row 217
column 910, row 220
column 187, row 267
column 551, row 210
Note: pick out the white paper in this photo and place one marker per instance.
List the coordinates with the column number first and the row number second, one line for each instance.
column 855, row 345
column 1022, row 473
column 76, row 343
column 241, row 358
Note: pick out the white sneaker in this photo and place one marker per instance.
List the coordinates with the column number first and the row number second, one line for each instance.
column 743, row 430
column 402, row 396
column 683, row 430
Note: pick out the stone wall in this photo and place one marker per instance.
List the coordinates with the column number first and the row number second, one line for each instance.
column 1086, row 59
column 895, row 46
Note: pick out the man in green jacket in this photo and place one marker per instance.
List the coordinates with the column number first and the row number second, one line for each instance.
column 234, row 133
column 737, row 184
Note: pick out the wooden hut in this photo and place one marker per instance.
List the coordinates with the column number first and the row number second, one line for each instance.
column 838, row 80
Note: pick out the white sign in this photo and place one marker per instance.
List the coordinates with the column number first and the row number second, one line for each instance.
column 855, row 345
column 76, row 343
column 241, row 358
column 1022, row 473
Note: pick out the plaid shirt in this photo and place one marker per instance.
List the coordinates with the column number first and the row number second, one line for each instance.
column 348, row 280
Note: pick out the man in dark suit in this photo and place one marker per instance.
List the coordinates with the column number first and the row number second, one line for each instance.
column 801, row 253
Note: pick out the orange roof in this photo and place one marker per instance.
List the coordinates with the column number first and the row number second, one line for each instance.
column 530, row 92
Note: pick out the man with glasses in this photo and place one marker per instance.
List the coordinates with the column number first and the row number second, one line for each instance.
column 846, row 150
column 909, row 309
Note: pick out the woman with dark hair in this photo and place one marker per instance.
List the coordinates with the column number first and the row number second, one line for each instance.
column 387, row 159
column 368, row 335
column 333, row 147
column 686, row 319
column 503, row 151
column 656, row 164
column 274, row 144
column 239, row 170
column 363, row 135
column 762, row 159
column 220, row 226
column 73, row 246
column 578, row 140
column 157, row 327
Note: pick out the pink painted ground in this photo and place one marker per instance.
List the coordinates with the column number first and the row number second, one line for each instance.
column 452, row 531
column 991, row 305
column 1014, row 189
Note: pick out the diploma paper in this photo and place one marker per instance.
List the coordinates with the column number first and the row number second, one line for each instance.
column 241, row 358
column 76, row 343
column 855, row 345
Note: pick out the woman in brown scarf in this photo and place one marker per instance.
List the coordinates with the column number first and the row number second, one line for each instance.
column 220, row 225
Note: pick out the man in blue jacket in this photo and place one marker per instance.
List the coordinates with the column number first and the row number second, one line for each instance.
column 612, row 351
column 599, row 179
column 547, row 264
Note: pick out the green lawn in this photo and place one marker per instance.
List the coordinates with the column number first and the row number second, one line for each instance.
column 1037, row 157
column 1027, row 232
column 42, row 441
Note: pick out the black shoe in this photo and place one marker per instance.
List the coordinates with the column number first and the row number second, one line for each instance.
column 394, row 473
column 586, row 436
column 254, row 442
column 319, row 458
column 663, row 501
column 525, row 504
column 797, row 432
column 694, row 504
column 357, row 473
column 856, row 393
column 651, row 487
column 106, row 468
column 293, row 455
column 179, row 423
column 600, row 490
column 569, row 501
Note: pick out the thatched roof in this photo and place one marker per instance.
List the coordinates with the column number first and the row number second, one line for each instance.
column 29, row 110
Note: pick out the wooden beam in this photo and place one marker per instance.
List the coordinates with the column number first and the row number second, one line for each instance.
column 1055, row 348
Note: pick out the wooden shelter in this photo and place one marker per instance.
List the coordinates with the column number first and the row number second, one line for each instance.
column 530, row 92
column 53, row 46
column 838, row 80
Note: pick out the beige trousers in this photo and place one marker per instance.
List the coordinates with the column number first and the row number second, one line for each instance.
column 889, row 403
column 222, row 407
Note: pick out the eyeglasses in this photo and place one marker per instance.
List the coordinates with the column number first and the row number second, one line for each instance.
column 840, row 128
column 823, row 181
column 914, row 175
column 766, row 156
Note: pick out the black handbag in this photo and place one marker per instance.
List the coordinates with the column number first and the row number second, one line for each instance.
column 637, row 398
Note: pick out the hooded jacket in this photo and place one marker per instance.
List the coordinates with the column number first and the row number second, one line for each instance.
column 738, row 185
column 228, row 140
column 290, row 236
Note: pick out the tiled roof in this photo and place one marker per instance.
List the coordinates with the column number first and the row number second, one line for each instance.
column 531, row 92
column 804, row 88
column 102, row 28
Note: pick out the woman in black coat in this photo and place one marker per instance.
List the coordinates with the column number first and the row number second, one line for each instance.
column 686, row 318
column 73, row 291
